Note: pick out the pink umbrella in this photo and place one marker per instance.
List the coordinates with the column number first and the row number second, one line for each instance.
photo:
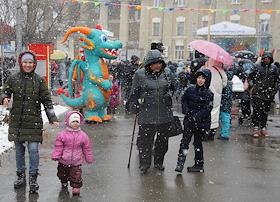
column 212, row 50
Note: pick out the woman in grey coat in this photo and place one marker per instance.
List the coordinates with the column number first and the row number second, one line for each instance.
column 150, row 98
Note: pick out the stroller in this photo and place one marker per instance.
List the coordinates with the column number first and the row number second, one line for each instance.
column 241, row 91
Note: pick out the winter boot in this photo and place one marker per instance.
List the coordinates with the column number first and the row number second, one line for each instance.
column 196, row 168
column 211, row 134
column 33, row 183
column 240, row 121
column 180, row 163
column 144, row 169
column 64, row 185
column 159, row 167
column 256, row 132
column 21, row 180
column 75, row 191
column 264, row 132
column 158, row 163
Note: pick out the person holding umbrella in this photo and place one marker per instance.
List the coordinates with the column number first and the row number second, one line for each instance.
column 218, row 60
column 218, row 82
column 150, row 98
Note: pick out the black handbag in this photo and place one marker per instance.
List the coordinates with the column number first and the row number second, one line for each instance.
column 175, row 127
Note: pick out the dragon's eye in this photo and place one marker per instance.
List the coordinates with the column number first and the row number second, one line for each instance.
column 103, row 38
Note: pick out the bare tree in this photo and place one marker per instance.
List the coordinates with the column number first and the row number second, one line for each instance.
column 6, row 19
column 7, row 11
column 45, row 20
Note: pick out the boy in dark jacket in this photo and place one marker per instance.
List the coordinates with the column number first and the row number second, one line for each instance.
column 197, row 103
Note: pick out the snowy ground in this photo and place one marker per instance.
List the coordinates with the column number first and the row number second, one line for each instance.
column 5, row 144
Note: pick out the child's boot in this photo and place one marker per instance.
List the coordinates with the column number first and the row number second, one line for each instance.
column 180, row 163
column 76, row 191
column 33, row 183
column 21, row 180
column 197, row 167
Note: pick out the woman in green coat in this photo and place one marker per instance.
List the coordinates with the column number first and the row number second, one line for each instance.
column 29, row 90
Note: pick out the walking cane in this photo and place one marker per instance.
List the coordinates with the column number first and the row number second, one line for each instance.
column 132, row 137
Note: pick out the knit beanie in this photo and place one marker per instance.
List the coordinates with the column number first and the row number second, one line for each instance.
column 27, row 56
column 74, row 117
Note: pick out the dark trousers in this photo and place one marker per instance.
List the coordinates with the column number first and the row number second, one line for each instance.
column 197, row 143
column 260, row 112
column 245, row 107
column 70, row 173
column 145, row 142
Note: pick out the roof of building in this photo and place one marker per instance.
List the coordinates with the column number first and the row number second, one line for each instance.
column 227, row 28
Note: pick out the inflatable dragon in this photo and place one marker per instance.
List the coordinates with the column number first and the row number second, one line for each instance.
column 92, row 73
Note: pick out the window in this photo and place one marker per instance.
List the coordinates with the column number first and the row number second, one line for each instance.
column 235, row 18
column 179, row 52
column 235, row 2
column 137, row 15
column 264, row 22
column 156, row 28
column 235, row 21
column 264, row 27
column 157, row 3
column 208, row 2
column 181, row 3
column 205, row 21
column 180, row 28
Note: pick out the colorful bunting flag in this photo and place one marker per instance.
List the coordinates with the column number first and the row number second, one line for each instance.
column 170, row 9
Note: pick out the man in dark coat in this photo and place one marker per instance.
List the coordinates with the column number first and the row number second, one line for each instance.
column 29, row 90
column 150, row 98
column 241, row 68
column 264, row 79
column 128, row 73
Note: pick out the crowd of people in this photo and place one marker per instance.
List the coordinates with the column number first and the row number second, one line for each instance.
column 203, row 86
column 6, row 64
column 59, row 71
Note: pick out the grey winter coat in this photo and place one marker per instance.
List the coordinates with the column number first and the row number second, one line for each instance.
column 150, row 94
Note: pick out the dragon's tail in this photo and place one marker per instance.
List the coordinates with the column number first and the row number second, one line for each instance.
column 73, row 102
column 75, row 75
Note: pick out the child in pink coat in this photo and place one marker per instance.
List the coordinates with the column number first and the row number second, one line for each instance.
column 72, row 148
column 115, row 97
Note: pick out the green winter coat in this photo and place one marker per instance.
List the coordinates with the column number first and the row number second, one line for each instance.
column 29, row 90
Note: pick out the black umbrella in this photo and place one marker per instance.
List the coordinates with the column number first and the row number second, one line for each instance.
column 246, row 55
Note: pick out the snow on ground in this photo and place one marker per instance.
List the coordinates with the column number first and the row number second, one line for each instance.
column 5, row 144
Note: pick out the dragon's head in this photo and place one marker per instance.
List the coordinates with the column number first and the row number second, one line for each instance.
column 96, row 42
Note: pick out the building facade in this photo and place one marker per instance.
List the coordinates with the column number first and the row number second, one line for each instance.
column 175, row 22
column 176, row 28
